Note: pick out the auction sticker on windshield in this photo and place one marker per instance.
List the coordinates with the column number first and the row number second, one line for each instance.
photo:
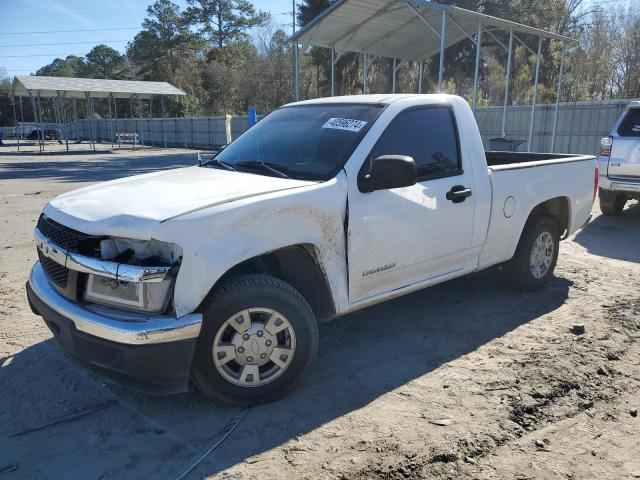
column 345, row 124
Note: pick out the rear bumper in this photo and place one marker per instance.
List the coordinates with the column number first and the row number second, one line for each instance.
column 631, row 187
column 151, row 354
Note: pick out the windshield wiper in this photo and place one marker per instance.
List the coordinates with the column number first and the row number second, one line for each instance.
column 269, row 166
column 218, row 163
column 214, row 161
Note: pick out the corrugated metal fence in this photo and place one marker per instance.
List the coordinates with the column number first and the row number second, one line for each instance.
column 580, row 127
column 7, row 132
column 196, row 132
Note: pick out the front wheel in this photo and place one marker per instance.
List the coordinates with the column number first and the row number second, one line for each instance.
column 258, row 338
column 531, row 267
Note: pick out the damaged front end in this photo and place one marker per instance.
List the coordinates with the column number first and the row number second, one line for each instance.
column 108, row 301
column 129, row 274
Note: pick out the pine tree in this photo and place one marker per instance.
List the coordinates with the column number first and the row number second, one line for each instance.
column 224, row 21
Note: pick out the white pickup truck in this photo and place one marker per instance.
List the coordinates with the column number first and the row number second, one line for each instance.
column 220, row 272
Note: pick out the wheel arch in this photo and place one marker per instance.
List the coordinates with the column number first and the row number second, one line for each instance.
column 559, row 210
column 298, row 265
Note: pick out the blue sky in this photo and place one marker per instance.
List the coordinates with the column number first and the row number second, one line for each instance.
column 20, row 17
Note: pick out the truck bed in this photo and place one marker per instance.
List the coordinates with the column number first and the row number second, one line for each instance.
column 495, row 158
column 520, row 181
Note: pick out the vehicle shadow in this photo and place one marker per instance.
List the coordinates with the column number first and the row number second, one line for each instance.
column 362, row 357
column 614, row 237
column 107, row 167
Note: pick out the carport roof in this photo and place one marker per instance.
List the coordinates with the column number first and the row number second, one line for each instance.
column 70, row 87
column 402, row 29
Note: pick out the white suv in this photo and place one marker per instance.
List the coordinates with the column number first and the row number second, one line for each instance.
column 619, row 162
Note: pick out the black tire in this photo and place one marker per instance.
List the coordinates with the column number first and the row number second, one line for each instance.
column 518, row 271
column 239, row 293
column 611, row 203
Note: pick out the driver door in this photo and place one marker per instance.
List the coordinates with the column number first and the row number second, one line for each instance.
column 407, row 235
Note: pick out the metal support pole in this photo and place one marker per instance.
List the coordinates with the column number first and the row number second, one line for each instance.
column 420, row 74
column 15, row 122
column 21, row 115
column 555, row 113
column 296, row 90
column 92, row 126
column 333, row 71
column 535, row 93
column 56, row 113
column 140, row 106
column 63, row 115
column 41, row 125
column 135, row 121
column 443, row 36
column 164, row 135
column 393, row 76
column 115, row 113
column 63, row 108
column 184, row 123
column 87, row 101
column 506, row 85
column 75, row 119
column 33, row 106
column 86, row 116
column 474, row 95
column 93, row 122
column 365, row 71
column 148, row 122
column 115, row 106
column 110, row 121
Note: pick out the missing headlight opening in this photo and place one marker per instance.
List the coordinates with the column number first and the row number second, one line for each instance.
column 140, row 252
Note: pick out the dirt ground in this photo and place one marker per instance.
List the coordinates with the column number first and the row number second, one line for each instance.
column 464, row 380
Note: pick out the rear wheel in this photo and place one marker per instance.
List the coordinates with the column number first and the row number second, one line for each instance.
column 259, row 337
column 611, row 203
column 531, row 267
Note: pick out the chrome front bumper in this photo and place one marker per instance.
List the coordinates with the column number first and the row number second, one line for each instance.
column 112, row 324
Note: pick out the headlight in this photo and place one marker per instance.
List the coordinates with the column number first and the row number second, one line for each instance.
column 150, row 297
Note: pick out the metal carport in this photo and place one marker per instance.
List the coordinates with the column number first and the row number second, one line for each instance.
column 414, row 30
column 87, row 89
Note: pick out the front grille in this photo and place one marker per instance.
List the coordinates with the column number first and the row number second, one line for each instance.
column 68, row 239
column 57, row 273
column 60, row 235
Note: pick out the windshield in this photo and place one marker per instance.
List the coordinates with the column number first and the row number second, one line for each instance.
column 306, row 142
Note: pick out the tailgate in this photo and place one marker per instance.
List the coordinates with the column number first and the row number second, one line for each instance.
column 624, row 161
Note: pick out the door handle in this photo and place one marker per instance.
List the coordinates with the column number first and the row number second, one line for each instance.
column 458, row 193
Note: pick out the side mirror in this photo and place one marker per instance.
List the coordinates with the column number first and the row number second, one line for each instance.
column 389, row 171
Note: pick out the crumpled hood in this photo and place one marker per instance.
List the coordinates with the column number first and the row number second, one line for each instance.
column 158, row 196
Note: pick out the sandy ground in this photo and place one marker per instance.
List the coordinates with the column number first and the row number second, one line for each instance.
column 464, row 380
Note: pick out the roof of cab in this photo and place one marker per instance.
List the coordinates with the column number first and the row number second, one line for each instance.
column 385, row 98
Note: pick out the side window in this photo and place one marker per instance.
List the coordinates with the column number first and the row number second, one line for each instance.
column 630, row 126
column 426, row 134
